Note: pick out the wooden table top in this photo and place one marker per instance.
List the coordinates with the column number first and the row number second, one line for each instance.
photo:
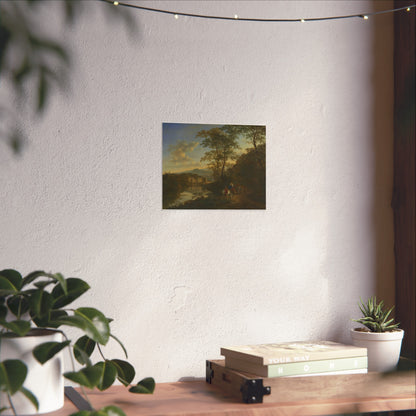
column 198, row 398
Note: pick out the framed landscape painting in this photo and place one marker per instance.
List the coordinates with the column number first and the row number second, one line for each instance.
column 214, row 166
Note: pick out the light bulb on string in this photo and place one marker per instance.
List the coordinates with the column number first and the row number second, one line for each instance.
column 249, row 19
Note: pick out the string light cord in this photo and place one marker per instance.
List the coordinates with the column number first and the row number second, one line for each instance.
column 249, row 19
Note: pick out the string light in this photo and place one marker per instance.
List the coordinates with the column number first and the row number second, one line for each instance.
column 249, row 19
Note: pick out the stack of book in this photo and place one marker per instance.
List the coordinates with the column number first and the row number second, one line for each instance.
column 296, row 359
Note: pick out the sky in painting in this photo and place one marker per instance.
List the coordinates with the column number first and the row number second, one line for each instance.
column 182, row 150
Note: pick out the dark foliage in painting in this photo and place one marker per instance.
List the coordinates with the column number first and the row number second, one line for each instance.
column 250, row 173
column 222, row 146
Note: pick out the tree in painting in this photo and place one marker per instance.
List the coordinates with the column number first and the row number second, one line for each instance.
column 222, row 150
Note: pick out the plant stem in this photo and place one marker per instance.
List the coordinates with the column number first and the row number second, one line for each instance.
column 11, row 404
column 19, row 310
column 101, row 353
column 73, row 369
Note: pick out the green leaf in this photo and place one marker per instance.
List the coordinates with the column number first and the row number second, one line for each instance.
column 18, row 327
column 5, row 37
column 83, row 413
column 75, row 321
column 98, row 328
column 40, row 304
column 30, row 396
column 45, row 351
column 43, row 88
column 18, row 305
column 145, row 386
column 16, row 140
column 50, row 45
column 12, row 375
column 13, row 276
column 91, row 321
column 55, row 316
column 75, row 288
column 82, row 357
column 105, row 411
column 108, row 374
column 389, row 312
column 70, row 12
column 62, row 281
column 31, row 277
column 43, row 284
column 54, row 277
column 125, row 371
column 83, row 349
column 110, row 411
column 20, row 73
column 6, row 287
column 3, row 312
column 88, row 376
column 374, row 317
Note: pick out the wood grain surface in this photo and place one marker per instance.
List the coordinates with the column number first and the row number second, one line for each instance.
column 301, row 396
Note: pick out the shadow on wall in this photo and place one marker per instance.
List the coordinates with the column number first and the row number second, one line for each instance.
column 363, row 247
column 403, row 202
column 382, row 142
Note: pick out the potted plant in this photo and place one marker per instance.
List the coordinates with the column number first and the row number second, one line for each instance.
column 380, row 335
column 34, row 310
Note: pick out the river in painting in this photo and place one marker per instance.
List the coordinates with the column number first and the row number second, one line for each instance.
column 190, row 194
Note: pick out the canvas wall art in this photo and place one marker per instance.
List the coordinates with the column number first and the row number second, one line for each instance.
column 214, row 166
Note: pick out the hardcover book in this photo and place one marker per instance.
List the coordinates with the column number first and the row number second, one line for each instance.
column 299, row 368
column 332, row 373
column 292, row 352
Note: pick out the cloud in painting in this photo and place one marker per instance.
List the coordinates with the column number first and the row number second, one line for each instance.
column 179, row 152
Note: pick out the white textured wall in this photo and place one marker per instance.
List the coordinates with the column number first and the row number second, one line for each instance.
column 85, row 197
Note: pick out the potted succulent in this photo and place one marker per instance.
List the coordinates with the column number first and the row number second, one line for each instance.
column 380, row 335
column 34, row 310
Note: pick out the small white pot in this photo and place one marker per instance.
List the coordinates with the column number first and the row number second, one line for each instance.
column 383, row 348
column 44, row 381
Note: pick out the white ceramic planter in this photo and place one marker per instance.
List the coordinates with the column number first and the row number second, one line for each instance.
column 383, row 348
column 44, row 381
